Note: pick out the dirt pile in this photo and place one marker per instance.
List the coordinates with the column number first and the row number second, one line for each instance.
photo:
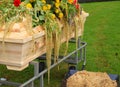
column 90, row 79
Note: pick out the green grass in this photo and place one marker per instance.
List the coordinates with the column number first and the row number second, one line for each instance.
column 102, row 34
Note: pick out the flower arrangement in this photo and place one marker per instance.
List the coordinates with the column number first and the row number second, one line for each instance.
column 53, row 15
column 39, row 9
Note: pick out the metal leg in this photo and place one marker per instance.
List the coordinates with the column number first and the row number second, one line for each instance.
column 36, row 67
column 84, row 55
column 41, row 81
column 84, row 59
column 81, row 54
column 30, row 84
column 80, row 51
column 36, row 71
column 76, row 54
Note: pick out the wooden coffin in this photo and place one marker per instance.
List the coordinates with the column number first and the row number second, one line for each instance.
column 19, row 48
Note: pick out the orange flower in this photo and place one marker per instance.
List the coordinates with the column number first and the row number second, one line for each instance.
column 70, row 1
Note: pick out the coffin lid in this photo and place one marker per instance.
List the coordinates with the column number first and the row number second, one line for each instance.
column 20, row 37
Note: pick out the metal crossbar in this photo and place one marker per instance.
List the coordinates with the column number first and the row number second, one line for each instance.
column 10, row 83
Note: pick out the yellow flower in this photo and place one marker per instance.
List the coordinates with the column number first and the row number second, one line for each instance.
column 60, row 15
column 49, row 6
column 45, row 8
column 44, row 1
column 70, row 1
column 29, row 6
column 53, row 16
column 57, row 5
column 57, row 1
column 32, row 0
column 57, row 11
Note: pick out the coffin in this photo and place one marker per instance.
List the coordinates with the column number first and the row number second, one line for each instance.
column 19, row 48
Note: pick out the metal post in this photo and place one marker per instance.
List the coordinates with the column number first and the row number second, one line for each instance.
column 36, row 71
column 36, row 67
column 79, row 42
column 84, row 58
column 84, row 55
column 81, row 53
column 41, row 81
column 76, row 53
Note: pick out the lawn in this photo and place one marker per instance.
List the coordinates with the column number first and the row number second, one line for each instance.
column 102, row 34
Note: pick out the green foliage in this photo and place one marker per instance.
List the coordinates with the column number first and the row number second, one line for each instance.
column 9, row 12
column 68, row 9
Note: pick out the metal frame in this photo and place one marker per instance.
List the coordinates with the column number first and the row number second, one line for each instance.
column 30, row 82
